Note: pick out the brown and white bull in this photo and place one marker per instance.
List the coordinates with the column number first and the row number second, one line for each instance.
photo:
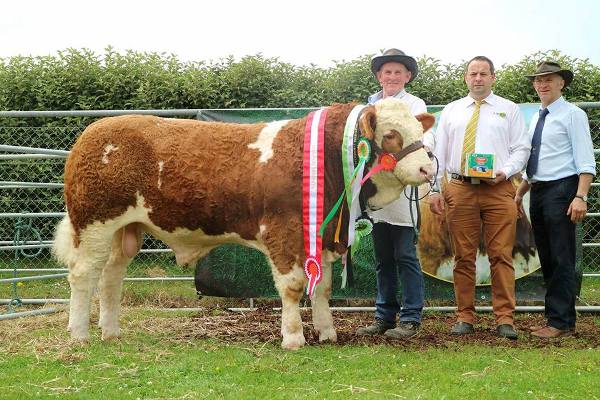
column 196, row 185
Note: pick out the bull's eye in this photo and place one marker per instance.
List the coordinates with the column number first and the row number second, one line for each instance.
column 388, row 136
column 430, row 155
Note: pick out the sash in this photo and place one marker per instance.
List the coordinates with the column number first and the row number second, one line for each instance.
column 313, row 177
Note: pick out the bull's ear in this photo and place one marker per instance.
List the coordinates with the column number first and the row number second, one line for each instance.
column 368, row 122
column 426, row 119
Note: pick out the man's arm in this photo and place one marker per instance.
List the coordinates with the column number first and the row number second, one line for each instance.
column 518, row 152
column 520, row 145
column 521, row 191
column 578, row 208
column 436, row 201
column 583, row 155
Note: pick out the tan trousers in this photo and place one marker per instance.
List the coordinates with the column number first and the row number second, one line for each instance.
column 491, row 210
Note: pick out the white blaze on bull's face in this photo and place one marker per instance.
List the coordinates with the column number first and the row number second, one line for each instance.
column 264, row 142
column 415, row 168
column 392, row 114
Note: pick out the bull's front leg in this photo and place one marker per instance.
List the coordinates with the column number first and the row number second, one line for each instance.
column 290, row 286
column 321, row 313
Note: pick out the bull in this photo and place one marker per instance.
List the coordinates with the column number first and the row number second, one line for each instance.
column 196, row 185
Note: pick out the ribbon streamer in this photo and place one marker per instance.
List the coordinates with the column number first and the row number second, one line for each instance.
column 313, row 177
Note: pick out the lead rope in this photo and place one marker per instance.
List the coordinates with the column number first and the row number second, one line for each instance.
column 414, row 197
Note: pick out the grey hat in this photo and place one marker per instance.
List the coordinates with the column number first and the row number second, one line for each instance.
column 549, row 67
column 396, row 56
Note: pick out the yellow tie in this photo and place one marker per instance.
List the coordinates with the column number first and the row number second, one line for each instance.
column 470, row 134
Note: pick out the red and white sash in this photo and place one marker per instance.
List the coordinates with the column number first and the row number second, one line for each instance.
column 313, row 178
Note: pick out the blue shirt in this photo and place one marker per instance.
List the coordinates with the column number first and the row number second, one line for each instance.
column 566, row 147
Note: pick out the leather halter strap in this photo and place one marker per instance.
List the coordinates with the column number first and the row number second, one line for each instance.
column 407, row 150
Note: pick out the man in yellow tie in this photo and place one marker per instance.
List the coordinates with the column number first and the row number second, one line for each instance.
column 485, row 123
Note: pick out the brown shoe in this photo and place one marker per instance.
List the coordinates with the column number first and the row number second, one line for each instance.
column 550, row 332
column 536, row 328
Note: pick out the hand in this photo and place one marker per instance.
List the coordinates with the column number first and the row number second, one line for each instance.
column 577, row 210
column 520, row 209
column 500, row 176
column 436, row 203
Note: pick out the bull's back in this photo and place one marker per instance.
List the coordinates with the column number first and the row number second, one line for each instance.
column 183, row 170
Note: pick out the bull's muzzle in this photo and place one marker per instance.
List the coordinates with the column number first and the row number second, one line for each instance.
column 427, row 172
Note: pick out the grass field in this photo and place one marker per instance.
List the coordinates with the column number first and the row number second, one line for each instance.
column 167, row 355
column 217, row 354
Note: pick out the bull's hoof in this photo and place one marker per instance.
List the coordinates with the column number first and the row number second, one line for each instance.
column 293, row 341
column 79, row 333
column 110, row 334
column 328, row 335
column 80, row 338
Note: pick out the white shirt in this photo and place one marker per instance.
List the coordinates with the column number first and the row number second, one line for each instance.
column 398, row 212
column 500, row 131
column 566, row 147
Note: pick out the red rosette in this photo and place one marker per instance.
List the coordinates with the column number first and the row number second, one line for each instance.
column 387, row 161
column 314, row 272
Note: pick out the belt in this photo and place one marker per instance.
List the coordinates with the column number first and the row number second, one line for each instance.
column 540, row 184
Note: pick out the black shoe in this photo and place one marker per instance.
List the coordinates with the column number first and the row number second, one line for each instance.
column 462, row 328
column 506, row 331
column 378, row 328
column 404, row 330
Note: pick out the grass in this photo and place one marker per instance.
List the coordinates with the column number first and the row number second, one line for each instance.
column 158, row 359
column 162, row 355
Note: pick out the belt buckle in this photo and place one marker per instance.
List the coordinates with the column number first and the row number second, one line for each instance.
column 475, row 181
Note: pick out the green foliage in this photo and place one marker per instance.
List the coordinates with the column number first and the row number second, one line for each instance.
column 79, row 79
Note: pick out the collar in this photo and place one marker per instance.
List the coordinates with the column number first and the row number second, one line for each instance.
column 490, row 99
column 555, row 105
column 379, row 96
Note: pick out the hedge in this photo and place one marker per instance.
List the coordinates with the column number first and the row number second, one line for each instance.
column 79, row 79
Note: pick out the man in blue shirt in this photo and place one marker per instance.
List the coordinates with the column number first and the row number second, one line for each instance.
column 560, row 171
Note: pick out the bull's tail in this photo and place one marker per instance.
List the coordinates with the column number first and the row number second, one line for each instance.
column 63, row 248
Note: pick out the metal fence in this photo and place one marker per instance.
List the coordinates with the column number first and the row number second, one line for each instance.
column 31, row 185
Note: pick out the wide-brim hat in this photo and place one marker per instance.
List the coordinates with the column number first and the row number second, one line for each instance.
column 395, row 55
column 550, row 67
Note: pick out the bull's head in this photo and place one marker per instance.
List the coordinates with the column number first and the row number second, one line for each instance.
column 394, row 129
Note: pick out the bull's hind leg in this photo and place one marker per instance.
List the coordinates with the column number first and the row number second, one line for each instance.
column 321, row 313
column 290, row 287
column 125, row 244
column 83, row 277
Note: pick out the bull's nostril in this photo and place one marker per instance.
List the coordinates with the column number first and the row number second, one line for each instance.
column 427, row 172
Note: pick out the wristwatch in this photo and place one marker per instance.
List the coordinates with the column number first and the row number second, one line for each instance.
column 582, row 197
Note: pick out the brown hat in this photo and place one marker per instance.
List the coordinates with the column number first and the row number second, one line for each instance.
column 395, row 55
column 549, row 67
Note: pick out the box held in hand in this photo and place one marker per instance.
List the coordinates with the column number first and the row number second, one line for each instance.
column 479, row 165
